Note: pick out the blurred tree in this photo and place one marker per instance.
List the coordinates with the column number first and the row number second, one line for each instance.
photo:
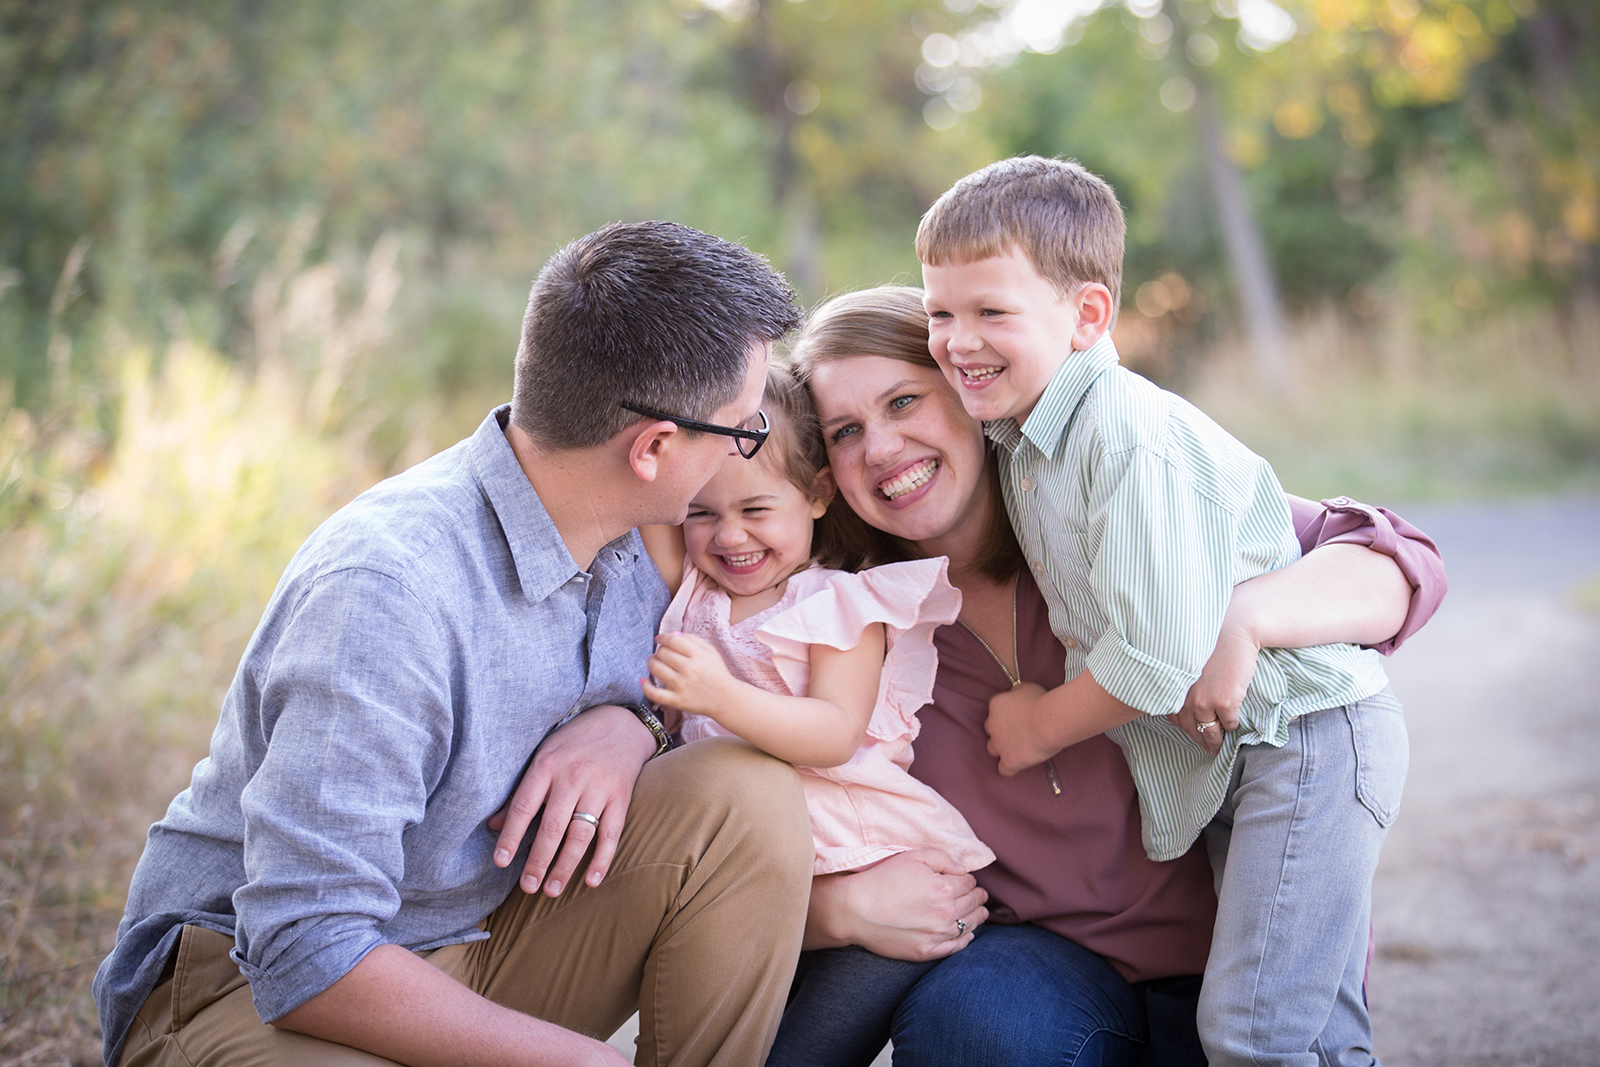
column 1406, row 146
column 850, row 161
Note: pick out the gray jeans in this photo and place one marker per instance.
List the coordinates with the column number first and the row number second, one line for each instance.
column 1300, row 832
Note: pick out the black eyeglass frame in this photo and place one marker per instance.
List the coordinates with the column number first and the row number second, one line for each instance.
column 738, row 433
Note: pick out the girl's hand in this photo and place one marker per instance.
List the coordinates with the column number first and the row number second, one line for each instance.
column 687, row 673
column 913, row 906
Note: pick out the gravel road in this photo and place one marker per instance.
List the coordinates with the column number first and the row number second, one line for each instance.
column 1487, row 902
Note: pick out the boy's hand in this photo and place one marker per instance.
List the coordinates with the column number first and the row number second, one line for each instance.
column 1013, row 727
column 1216, row 695
column 687, row 673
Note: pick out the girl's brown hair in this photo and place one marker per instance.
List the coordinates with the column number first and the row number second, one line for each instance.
column 888, row 321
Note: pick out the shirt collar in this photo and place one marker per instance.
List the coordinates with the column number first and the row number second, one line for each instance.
column 1050, row 417
column 540, row 556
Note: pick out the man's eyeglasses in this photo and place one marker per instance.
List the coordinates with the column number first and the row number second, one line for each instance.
column 747, row 441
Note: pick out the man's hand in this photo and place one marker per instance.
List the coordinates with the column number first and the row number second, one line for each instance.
column 1216, row 695
column 687, row 673
column 1013, row 727
column 587, row 765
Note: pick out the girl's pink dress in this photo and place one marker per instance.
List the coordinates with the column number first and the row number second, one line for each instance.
column 869, row 808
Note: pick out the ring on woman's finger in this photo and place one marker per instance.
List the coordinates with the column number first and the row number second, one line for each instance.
column 592, row 820
column 961, row 927
column 1204, row 726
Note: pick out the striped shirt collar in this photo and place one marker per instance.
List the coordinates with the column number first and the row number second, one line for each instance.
column 1048, row 421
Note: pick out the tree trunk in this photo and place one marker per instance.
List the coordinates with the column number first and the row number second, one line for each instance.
column 1248, row 261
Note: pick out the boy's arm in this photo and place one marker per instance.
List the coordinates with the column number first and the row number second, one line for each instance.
column 1367, row 577
column 1029, row 724
column 1157, row 556
column 820, row 730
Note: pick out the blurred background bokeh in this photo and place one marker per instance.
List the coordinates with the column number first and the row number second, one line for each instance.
column 255, row 256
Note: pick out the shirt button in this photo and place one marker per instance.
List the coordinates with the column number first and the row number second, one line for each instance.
column 1340, row 501
column 1069, row 642
column 1027, row 485
column 1038, row 567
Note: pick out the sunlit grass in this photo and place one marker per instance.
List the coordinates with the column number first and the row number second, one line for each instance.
column 129, row 584
column 1511, row 409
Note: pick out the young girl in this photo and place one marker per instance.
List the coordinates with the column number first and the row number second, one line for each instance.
column 820, row 667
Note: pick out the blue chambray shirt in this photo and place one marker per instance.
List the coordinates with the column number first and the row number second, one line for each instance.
column 418, row 648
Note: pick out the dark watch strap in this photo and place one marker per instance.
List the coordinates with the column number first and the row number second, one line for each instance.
column 653, row 724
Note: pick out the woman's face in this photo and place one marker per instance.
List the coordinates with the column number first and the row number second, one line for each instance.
column 904, row 454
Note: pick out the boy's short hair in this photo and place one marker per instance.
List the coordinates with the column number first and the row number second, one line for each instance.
column 1066, row 220
column 651, row 313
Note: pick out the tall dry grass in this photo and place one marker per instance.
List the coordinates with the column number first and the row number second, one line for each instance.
column 1509, row 408
column 131, row 577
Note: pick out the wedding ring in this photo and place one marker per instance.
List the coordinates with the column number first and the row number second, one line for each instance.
column 961, row 927
column 1204, row 726
column 592, row 820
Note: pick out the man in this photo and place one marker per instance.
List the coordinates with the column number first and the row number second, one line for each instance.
column 420, row 646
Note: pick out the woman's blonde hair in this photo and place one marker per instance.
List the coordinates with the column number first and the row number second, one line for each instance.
column 889, row 321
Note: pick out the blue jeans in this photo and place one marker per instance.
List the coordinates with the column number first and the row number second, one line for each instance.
column 1301, row 830
column 1023, row 996
column 840, row 1007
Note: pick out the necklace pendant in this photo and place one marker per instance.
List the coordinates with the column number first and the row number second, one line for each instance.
column 1050, row 769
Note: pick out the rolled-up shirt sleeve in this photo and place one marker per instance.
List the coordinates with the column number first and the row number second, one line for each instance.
column 356, row 704
column 1341, row 520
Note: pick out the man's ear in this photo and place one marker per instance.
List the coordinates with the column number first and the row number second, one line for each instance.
column 822, row 490
column 1094, row 314
column 648, row 443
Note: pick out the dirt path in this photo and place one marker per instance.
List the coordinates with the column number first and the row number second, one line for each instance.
column 1487, row 903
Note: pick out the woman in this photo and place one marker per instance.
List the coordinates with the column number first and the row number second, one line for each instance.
column 1096, row 951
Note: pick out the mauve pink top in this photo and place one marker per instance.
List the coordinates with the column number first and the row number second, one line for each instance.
column 1074, row 863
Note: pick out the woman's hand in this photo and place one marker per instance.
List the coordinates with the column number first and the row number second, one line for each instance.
column 687, row 673
column 1216, row 695
column 913, row 906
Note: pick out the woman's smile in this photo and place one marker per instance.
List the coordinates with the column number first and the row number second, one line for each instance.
column 905, row 455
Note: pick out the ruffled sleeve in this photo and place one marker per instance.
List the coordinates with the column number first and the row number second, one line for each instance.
column 911, row 599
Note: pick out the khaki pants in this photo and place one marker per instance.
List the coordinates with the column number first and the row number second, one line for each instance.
column 697, row 927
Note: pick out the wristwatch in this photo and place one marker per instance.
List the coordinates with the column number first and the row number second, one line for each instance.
column 653, row 724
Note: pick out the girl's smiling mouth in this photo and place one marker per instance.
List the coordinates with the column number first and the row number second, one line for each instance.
column 743, row 562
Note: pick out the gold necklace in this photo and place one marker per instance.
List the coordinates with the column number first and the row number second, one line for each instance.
column 1014, row 673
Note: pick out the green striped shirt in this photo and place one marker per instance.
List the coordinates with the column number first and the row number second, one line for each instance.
column 1139, row 515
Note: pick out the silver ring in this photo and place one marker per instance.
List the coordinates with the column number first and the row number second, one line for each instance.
column 961, row 927
column 592, row 820
column 1204, row 726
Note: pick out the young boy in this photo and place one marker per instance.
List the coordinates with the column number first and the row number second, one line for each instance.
column 1138, row 515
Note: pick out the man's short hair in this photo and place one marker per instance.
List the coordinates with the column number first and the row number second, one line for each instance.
column 651, row 313
column 1064, row 219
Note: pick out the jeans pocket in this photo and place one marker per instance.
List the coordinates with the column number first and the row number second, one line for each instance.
column 1383, row 752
